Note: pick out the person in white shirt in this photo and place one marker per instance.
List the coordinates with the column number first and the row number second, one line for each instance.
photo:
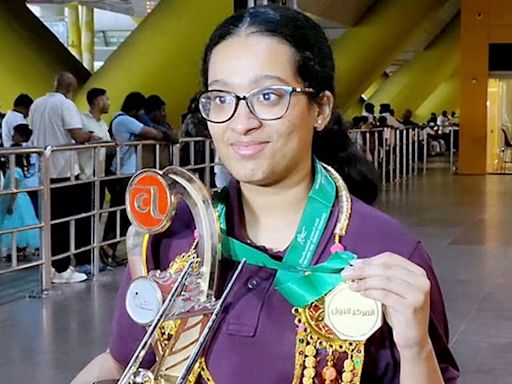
column 385, row 110
column 99, row 104
column 369, row 111
column 443, row 122
column 18, row 115
column 453, row 120
column 90, row 167
column 56, row 121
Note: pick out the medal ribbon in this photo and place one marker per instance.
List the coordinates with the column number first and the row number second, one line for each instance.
column 297, row 280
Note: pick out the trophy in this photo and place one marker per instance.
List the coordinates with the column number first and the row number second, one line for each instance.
column 177, row 306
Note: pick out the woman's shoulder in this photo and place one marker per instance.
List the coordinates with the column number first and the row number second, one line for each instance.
column 372, row 231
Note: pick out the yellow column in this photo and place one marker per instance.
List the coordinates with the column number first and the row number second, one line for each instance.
column 474, row 45
column 162, row 56
column 75, row 38
column 363, row 52
column 87, row 30
column 39, row 54
column 445, row 97
column 415, row 81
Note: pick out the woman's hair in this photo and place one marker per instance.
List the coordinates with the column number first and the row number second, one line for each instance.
column 315, row 66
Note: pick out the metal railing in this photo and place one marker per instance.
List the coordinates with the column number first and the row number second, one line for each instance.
column 6, row 194
column 396, row 154
column 194, row 154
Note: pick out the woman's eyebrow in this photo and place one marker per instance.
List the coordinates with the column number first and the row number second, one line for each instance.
column 254, row 82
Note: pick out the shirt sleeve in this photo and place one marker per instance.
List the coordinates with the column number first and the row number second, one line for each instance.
column 70, row 115
column 125, row 125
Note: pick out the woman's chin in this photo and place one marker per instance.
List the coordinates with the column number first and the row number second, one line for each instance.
column 250, row 177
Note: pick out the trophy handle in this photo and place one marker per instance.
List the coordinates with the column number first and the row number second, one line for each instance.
column 135, row 250
column 151, row 200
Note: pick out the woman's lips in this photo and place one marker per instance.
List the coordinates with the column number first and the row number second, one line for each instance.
column 248, row 148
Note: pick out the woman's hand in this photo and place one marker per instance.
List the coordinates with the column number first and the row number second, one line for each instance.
column 404, row 290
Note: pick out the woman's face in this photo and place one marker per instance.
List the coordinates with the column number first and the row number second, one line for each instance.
column 256, row 151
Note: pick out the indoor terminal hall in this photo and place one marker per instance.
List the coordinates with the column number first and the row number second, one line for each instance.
column 255, row 191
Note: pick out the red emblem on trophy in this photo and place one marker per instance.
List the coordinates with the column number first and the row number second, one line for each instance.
column 149, row 202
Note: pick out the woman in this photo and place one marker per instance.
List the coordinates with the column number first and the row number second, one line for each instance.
column 269, row 79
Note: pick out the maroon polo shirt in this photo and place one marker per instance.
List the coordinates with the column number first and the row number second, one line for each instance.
column 255, row 340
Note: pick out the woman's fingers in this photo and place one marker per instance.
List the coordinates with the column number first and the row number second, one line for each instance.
column 398, row 294
column 389, row 259
column 387, row 277
column 361, row 272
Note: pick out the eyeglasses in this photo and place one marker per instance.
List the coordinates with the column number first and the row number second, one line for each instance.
column 267, row 103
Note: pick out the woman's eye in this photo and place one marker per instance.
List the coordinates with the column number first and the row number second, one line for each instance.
column 268, row 96
column 222, row 100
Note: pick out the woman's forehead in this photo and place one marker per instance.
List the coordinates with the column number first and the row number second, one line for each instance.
column 252, row 60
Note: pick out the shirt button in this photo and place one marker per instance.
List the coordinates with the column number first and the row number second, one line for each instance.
column 253, row 283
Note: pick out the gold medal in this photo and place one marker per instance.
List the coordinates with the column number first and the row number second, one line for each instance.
column 350, row 315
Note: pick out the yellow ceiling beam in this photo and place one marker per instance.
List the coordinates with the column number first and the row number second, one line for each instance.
column 346, row 12
column 162, row 55
column 362, row 53
column 415, row 81
column 36, row 55
column 445, row 97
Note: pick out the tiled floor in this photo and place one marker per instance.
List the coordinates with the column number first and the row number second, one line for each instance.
column 465, row 223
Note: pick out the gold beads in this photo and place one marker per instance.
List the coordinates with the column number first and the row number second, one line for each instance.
column 348, row 365
column 309, row 372
column 346, row 377
column 310, row 350
column 310, row 362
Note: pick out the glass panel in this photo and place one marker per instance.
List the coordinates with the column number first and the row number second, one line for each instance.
column 499, row 123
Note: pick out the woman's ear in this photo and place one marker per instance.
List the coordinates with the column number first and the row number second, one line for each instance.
column 325, row 104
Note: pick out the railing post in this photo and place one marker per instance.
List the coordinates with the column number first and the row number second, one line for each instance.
column 425, row 144
column 451, row 150
column 176, row 149
column 404, row 153
column 46, row 246
column 98, row 174
column 417, row 138
column 384, row 151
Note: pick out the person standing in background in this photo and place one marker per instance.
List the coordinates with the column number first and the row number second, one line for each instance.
column 18, row 115
column 56, row 121
column 126, row 127
column 99, row 104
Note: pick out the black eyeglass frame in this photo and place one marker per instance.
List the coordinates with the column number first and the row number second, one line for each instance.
column 290, row 90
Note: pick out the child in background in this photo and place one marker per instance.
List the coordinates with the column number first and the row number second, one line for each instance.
column 16, row 209
column 21, row 136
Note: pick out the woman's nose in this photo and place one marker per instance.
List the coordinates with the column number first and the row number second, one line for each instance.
column 244, row 120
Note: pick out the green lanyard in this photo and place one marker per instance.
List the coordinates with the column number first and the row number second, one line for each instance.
column 298, row 281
